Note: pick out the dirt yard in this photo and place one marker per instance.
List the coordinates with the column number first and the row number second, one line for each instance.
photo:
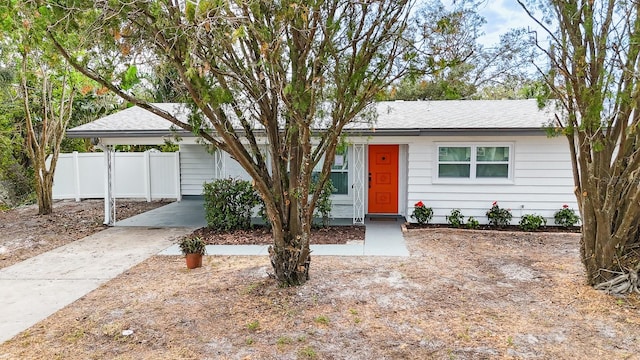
column 460, row 295
column 24, row 234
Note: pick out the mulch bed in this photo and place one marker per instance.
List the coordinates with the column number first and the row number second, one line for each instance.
column 262, row 235
column 553, row 229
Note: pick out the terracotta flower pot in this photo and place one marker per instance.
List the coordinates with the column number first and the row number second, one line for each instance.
column 194, row 261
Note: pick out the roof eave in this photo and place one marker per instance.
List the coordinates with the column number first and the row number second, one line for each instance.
column 350, row 132
column 446, row 132
column 124, row 133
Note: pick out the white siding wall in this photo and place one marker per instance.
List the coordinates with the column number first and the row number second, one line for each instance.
column 196, row 167
column 542, row 177
column 542, row 180
column 232, row 169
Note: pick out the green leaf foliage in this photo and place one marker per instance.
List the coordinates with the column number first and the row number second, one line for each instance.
column 455, row 218
column 324, row 206
column 566, row 217
column 498, row 216
column 193, row 245
column 229, row 204
column 253, row 70
column 130, row 78
column 532, row 222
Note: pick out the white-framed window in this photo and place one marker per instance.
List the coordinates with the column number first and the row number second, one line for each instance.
column 482, row 162
column 340, row 172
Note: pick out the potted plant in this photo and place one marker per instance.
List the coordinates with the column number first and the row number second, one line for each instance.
column 193, row 248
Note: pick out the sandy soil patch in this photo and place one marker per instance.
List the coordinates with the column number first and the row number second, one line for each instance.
column 460, row 295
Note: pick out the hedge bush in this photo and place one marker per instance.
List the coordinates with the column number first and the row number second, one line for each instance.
column 228, row 204
column 498, row 216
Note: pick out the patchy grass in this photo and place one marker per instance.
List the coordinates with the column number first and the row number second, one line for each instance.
column 254, row 325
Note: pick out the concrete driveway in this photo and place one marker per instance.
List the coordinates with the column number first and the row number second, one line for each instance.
column 37, row 287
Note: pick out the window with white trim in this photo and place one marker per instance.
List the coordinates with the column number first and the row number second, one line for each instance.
column 339, row 172
column 475, row 161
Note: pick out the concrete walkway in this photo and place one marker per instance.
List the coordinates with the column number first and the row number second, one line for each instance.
column 37, row 287
column 189, row 212
column 382, row 238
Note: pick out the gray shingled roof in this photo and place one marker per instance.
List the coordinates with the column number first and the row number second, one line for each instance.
column 393, row 116
column 460, row 114
column 134, row 119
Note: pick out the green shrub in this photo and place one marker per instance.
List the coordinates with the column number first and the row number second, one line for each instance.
column 228, row 204
column 262, row 213
column 472, row 223
column 498, row 216
column 421, row 213
column 455, row 219
column 324, row 204
column 566, row 217
column 531, row 222
column 322, row 209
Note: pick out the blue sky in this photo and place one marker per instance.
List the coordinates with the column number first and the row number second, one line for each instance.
column 502, row 15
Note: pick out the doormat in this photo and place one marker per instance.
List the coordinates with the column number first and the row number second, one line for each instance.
column 383, row 218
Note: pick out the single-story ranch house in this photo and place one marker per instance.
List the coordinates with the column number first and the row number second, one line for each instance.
column 447, row 154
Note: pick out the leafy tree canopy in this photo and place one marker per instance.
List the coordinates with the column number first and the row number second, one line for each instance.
column 456, row 65
column 253, row 69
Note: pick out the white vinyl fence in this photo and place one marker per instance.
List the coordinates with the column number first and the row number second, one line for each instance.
column 148, row 175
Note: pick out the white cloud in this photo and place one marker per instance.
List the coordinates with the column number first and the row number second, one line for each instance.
column 501, row 16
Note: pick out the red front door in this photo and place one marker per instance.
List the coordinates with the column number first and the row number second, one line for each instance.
column 383, row 179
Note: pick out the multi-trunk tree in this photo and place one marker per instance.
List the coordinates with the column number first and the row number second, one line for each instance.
column 44, row 87
column 47, row 99
column 594, row 60
column 273, row 83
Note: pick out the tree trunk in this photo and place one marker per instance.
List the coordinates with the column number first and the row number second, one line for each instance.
column 290, row 253
column 608, row 229
column 44, row 191
column 291, row 265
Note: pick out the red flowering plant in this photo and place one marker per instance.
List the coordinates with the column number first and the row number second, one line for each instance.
column 566, row 217
column 499, row 217
column 422, row 213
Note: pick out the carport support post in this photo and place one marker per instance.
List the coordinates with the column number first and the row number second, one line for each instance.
column 109, row 199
